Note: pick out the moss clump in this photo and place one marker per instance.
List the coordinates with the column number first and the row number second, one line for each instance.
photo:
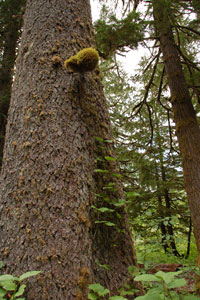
column 85, row 60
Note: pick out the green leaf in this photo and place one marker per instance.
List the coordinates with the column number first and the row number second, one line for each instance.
column 20, row 290
column 148, row 213
column 2, row 292
column 105, row 267
column 1, row 264
column 131, row 194
column 133, row 270
column 99, row 289
column 8, row 277
column 146, row 277
column 110, row 224
column 124, row 293
column 92, row 206
column 100, row 171
column 28, row 274
column 105, row 209
column 153, row 294
column 116, row 175
column 109, row 187
column 99, row 222
column 117, row 298
column 108, row 141
column 110, row 158
column 191, row 297
column 8, row 285
column 177, row 283
column 121, row 202
column 99, row 139
column 20, row 299
column 92, row 296
column 118, row 216
column 167, row 276
column 106, row 223
column 100, row 159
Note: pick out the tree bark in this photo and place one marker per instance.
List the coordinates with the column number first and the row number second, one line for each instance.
column 58, row 133
column 187, row 127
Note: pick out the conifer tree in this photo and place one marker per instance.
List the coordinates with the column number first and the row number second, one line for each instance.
column 187, row 127
column 61, row 197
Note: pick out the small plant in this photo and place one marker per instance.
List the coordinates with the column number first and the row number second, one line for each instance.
column 163, row 285
column 11, row 286
column 97, row 292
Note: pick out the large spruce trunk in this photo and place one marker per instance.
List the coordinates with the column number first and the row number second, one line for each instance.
column 187, row 128
column 58, row 133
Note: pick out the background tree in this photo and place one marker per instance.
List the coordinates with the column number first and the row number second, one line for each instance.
column 187, row 128
column 11, row 13
column 61, row 198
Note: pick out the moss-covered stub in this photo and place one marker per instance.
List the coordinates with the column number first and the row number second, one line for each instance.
column 85, row 60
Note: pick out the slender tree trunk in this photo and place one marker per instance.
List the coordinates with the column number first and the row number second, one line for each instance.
column 162, row 225
column 170, row 226
column 187, row 128
column 189, row 239
column 165, row 193
column 161, row 214
column 58, row 133
column 168, row 212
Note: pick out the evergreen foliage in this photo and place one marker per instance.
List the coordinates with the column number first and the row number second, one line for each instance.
column 114, row 34
column 145, row 132
column 150, row 165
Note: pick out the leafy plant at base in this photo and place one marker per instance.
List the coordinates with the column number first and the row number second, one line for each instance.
column 12, row 286
column 160, row 287
column 164, row 284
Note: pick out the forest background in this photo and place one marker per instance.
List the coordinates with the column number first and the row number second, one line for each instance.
column 142, row 118
column 145, row 130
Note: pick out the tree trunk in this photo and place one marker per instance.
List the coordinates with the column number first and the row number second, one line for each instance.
column 165, row 193
column 10, row 35
column 161, row 213
column 162, row 225
column 170, row 228
column 168, row 210
column 189, row 239
column 58, row 133
column 187, row 128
